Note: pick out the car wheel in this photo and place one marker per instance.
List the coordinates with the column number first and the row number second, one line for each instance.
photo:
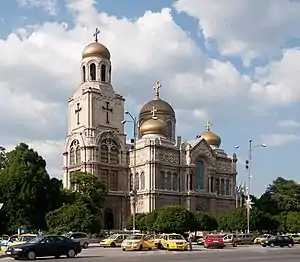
column 71, row 253
column 113, row 244
column 123, row 249
column 85, row 245
column 31, row 255
column 141, row 247
column 234, row 244
column 149, row 248
column 290, row 245
column 272, row 245
column 264, row 245
column 57, row 256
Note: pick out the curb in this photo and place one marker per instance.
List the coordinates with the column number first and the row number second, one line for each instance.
column 2, row 256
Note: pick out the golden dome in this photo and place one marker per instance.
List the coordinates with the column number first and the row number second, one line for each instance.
column 153, row 126
column 210, row 137
column 161, row 106
column 96, row 49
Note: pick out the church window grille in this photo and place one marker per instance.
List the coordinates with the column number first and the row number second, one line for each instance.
column 168, row 181
column 131, row 182
column 137, row 182
column 217, row 186
column 175, row 182
column 222, row 190
column 169, row 128
column 104, row 177
column 142, row 181
column 103, row 73
column 104, row 153
column 83, row 74
column 199, row 174
column 227, row 186
column 93, row 72
column 113, row 180
column 72, row 156
column 114, row 155
column 78, row 155
column 212, row 184
column 162, row 184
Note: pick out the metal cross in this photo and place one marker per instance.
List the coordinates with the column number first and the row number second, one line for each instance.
column 208, row 125
column 156, row 87
column 153, row 111
column 97, row 32
column 77, row 110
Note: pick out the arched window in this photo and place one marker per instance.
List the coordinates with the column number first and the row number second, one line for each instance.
column 222, row 187
column 104, row 153
column 78, row 155
column 217, row 186
column 72, row 156
column 137, row 182
column 162, row 184
column 227, row 188
column 131, row 182
column 168, row 181
column 169, row 128
column 175, row 182
column 142, row 181
column 93, row 72
column 114, row 155
column 199, row 174
column 83, row 74
column 212, row 185
column 103, row 73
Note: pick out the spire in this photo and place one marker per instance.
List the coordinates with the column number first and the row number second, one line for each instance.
column 156, row 87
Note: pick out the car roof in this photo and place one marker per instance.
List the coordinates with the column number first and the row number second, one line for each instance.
column 28, row 235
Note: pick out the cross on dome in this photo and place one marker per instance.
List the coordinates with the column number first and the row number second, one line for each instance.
column 97, row 32
column 208, row 125
column 156, row 87
column 153, row 111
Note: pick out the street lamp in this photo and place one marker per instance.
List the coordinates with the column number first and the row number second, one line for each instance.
column 133, row 141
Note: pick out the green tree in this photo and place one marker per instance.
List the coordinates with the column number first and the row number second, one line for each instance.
column 26, row 186
column 140, row 222
column 206, row 221
column 292, row 222
column 174, row 218
column 2, row 157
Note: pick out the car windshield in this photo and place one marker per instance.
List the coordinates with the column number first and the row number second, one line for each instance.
column 112, row 236
column 273, row 237
column 159, row 236
column 176, row 237
column 26, row 238
column 135, row 237
column 216, row 236
column 36, row 240
column 67, row 235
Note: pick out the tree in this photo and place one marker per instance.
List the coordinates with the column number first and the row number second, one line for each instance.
column 140, row 222
column 292, row 222
column 2, row 157
column 206, row 221
column 25, row 186
column 174, row 218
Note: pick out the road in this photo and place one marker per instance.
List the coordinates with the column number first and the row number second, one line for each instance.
column 239, row 254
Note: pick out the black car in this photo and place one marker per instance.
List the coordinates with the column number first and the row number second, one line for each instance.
column 280, row 241
column 45, row 246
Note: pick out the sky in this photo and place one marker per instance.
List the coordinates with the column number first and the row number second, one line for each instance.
column 234, row 62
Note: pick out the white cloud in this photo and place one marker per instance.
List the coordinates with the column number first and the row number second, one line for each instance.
column 50, row 6
column 276, row 140
column 289, row 123
column 246, row 28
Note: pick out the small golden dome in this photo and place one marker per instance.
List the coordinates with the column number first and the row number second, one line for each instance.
column 153, row 126
column 96, row 49
column 210, row 137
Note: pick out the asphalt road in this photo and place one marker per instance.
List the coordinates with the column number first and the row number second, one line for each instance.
column 229, row 254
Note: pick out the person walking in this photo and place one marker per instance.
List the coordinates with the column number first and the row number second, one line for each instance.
column 190, row 237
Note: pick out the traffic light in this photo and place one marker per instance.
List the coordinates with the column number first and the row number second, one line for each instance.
column 247, row 164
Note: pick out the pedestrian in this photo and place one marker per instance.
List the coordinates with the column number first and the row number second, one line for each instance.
column 190, row 237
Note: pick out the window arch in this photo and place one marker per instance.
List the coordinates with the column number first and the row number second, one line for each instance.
column 217, row 186
column 78, row 154
column 93, row 71
column 227, row 188
column 137, row 182
column 222, row 187
column 142, row 181
column 200, row 174
column 168, row 181
column 83, row 74
column 175, row 182
column 103, row 73
column 109, row 151
column 169, row 128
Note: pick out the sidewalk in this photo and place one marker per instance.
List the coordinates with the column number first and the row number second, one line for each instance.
column 2, row 254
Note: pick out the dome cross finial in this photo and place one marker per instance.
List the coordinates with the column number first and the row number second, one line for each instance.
column 156, row 87
column 97, row 32
column 208, row 125
column 153, row 111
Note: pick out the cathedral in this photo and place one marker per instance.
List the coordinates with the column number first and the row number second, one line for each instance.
column 158, row 168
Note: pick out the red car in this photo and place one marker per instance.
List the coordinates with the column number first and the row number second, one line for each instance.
column 214, row 241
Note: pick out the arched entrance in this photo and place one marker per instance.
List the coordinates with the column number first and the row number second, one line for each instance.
column 108, row 218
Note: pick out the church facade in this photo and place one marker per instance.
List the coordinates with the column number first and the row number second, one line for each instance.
column 158, row 168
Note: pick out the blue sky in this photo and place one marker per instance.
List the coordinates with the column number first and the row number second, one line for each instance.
column 233, row 62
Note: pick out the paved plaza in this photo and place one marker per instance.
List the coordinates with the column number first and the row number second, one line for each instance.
column 229, row 254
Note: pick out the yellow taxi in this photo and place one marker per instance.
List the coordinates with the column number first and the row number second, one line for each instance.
column 200, row 240
column 261, row 238
column 295, row 237
column 114, row 240
column 22, row 239
column 157, row 240
column 138, row 242
column 174, row 242
column 7, row 243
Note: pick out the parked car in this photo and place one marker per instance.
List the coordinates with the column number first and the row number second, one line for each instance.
column 281, row 241
column 45, row 246
column 261, row 238
column 79, row 237
column 230, row 239
column 22, row 239
column 214, row 241
column 113, row 240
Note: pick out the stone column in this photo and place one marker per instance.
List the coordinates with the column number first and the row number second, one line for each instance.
column 209, row 183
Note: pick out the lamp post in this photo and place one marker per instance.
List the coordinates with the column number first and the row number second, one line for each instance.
column 133, row 141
